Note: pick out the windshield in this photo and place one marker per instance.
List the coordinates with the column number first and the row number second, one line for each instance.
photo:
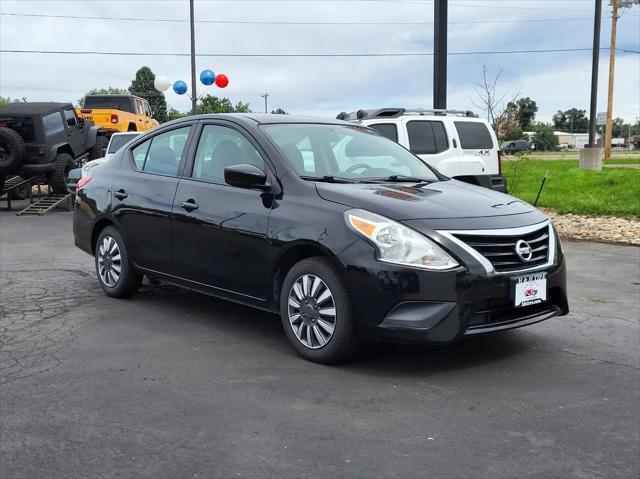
column 354, row 153
column 122, row 103
column 118, row 141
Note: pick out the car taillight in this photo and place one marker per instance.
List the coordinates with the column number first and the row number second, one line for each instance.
column 82, row 182
column 114, row 118
column 499, row 162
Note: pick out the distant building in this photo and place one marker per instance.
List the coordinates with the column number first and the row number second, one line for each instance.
column 569, row 141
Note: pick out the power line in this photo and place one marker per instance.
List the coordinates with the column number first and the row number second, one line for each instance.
column 303, row 55
column 284, row 22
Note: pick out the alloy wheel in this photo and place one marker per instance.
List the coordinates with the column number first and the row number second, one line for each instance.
column 312, row 311
column 109, row 261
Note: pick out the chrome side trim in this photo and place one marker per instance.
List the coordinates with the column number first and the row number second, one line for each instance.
column 486, row 264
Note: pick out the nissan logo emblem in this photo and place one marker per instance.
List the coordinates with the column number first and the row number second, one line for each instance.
column 524, row 250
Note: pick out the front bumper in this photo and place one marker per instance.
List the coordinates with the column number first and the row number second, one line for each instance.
column 395, row 303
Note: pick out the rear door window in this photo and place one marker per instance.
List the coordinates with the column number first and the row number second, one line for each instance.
column 474, row 135
column 52, row 123
column 390, row 130
column 427, row 137
column 162, row 153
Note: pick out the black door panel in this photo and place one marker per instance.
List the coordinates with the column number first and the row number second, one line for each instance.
column 142, row 204
column 221, row 242
column 142, row 196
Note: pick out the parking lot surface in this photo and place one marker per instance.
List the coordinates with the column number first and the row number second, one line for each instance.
column 174, row 384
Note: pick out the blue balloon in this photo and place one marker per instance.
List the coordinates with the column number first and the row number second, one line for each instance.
column 207, row 77
column 180, row 87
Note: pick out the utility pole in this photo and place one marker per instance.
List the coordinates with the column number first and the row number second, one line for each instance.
column 265, row 96
column 594, row 74
column 440, row 18
column 194, row 96
column 612, row 66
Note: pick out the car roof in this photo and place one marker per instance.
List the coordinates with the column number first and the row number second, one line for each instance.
column 254, row 119
column 31, row 108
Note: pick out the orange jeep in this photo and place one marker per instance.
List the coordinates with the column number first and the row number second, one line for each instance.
column 118, row 112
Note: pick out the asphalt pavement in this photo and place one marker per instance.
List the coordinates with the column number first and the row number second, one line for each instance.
column 172, row 384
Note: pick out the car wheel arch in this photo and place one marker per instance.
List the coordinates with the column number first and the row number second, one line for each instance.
column 99, row 225
column 293, row 255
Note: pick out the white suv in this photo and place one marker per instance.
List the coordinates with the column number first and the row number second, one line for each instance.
column 457, row 143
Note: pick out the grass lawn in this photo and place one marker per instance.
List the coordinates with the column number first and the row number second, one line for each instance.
column 622, row 161
column 568, row 189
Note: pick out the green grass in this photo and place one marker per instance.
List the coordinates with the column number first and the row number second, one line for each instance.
column 622, row 161
column 568, row 189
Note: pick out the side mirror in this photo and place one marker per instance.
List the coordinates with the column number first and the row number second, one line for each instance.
column 80, row 121
column 246, row 176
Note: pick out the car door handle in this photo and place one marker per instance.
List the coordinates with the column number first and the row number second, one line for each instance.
column 189, row 205
column 120, row 194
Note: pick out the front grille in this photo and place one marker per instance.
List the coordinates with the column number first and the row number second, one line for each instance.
column 500, row 250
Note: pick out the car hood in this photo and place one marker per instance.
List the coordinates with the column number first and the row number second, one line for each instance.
column 440, row 200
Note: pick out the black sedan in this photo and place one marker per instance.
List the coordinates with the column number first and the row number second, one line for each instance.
column 344, row 233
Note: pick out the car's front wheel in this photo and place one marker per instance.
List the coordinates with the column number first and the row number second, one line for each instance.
column 316, row 311
column 115, row 274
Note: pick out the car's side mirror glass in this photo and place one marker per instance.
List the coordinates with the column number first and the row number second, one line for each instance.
column 245, row 176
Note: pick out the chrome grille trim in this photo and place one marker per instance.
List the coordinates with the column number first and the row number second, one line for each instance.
column 547, row 232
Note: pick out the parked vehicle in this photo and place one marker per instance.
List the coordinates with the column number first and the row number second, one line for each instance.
column 458, row 143
column 117, row 141
column 45, row 139
column 515, row 146
column 344, row 233
column 118, row 112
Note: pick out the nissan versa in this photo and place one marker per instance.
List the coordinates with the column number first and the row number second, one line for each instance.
column 343, row 232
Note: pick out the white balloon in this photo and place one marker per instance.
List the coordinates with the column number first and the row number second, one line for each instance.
column 161, row 83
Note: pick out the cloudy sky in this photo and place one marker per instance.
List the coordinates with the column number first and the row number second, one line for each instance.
column 322, row 85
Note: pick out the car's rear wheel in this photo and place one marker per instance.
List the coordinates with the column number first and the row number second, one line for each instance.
column 59, row 177
column 115, row 274
column 316, row 312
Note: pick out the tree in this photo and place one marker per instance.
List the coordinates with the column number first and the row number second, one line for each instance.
column 7, row 100
column 103, row 91
column 142, row 86
column 213, row 104
column 527, row 109
column 544, row 138
column 279, row 111
column 505, row 120
column 618, row 127
column 572, row 120
column 174, row 114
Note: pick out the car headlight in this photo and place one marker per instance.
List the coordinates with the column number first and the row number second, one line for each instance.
column 397, row 243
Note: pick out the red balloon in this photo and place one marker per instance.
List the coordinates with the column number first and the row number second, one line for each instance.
column 222, row 80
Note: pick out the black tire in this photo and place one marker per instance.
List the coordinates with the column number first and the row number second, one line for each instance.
column 343, row 342
column 12, row 149
column 129, row 280
column 96, row 150
column 59, row 177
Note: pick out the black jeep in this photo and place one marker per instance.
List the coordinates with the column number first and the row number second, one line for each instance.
column 45, row 139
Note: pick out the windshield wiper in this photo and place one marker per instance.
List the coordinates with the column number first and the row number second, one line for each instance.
column 400, row 179
column 329, row 179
